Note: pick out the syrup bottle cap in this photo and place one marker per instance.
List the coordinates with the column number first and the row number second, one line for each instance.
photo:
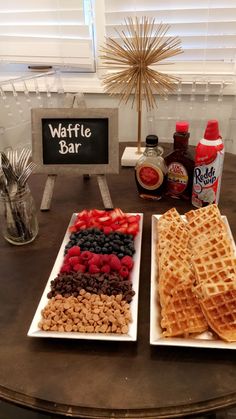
column 212, row 130
column 152, row 140
column 182, row 126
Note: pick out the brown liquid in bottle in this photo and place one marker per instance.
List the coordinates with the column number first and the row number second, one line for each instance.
column 150, row 171
column 180, row 165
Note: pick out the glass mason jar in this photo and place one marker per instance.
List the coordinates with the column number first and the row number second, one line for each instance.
column 18, row 217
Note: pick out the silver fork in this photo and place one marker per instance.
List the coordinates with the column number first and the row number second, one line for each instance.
column 26, row 173
column 9, row 173
column 23, row 160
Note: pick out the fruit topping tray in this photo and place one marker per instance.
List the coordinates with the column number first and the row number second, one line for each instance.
column 92, row 291
column 193, row 280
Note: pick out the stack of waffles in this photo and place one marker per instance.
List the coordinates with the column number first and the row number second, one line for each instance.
column 180, row 310
column 197, row 274
column 214, row 263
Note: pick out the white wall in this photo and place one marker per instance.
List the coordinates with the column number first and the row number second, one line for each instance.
column 15, row 126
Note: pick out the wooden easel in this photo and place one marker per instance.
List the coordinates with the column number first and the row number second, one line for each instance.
column 49, row 186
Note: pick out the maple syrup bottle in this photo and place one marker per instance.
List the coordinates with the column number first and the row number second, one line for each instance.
column 180, row 165
column 150, row 170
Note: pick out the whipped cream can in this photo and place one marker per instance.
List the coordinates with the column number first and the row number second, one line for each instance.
column 208, row 168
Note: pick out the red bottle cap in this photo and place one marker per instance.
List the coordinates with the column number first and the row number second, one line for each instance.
column 182, row 126
column 212, row 130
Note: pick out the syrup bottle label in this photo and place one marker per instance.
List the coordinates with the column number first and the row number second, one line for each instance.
column 149, row 176
column 177, row 178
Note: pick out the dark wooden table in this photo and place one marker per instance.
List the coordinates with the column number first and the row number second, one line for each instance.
column 92, row 379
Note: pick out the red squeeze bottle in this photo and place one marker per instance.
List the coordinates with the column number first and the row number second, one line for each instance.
column 208, row 169
column 180, row 164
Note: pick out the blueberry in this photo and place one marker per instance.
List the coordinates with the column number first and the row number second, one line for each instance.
column 120, row 255
column 129, row 252
column 115, row 247
column 97, row 231
column 98, row 249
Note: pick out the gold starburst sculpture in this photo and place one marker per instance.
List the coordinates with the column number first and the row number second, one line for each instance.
column 140, row 46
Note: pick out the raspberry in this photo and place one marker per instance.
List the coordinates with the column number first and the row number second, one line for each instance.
column 65, row 268
column 86, row 255
column 73, row 260
column 74, row 251
column 114, row 263
column 93, row 269
column 95, row 260
column 127, row 261
column 106, row 269
column 105, row 259
column 124, row 271
column 79, row 268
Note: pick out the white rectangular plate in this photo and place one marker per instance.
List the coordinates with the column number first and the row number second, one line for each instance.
column 34, row 330
column 203, row 340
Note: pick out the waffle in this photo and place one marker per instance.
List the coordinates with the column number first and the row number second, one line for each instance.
column 220, row 313
column 173, row 233
column 169, row 280
column 171, row 215
column 212, row 243
column 172, row 252
column 208, row 227
column 205, row 266
column 182, row 314
column 210, row 288
column 203, row 213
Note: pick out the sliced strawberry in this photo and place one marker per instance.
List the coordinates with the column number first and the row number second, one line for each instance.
column 133, row 229
column 80, row 224
column 72, row 229
column 132, row 219
column 107, row 229
column 117, row 214
column 83, row 215
column 122, row 230
column 98, row 213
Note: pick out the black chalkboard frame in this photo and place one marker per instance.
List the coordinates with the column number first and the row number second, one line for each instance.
column 38, row 115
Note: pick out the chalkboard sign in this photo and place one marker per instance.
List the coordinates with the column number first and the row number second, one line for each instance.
column 75, row 140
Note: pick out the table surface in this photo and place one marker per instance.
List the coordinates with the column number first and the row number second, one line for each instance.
column 95, row 378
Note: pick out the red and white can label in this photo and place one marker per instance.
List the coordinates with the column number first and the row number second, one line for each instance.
column 206, row 181
column 177, row 178
column 149, row 176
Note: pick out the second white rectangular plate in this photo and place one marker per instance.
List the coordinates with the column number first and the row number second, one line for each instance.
column 34, row 330
column 203, row 340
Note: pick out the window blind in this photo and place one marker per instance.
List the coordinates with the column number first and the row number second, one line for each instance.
column 47, row 32
column 207, row 29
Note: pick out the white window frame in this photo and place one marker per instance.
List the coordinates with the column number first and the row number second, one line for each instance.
column 92, row 82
